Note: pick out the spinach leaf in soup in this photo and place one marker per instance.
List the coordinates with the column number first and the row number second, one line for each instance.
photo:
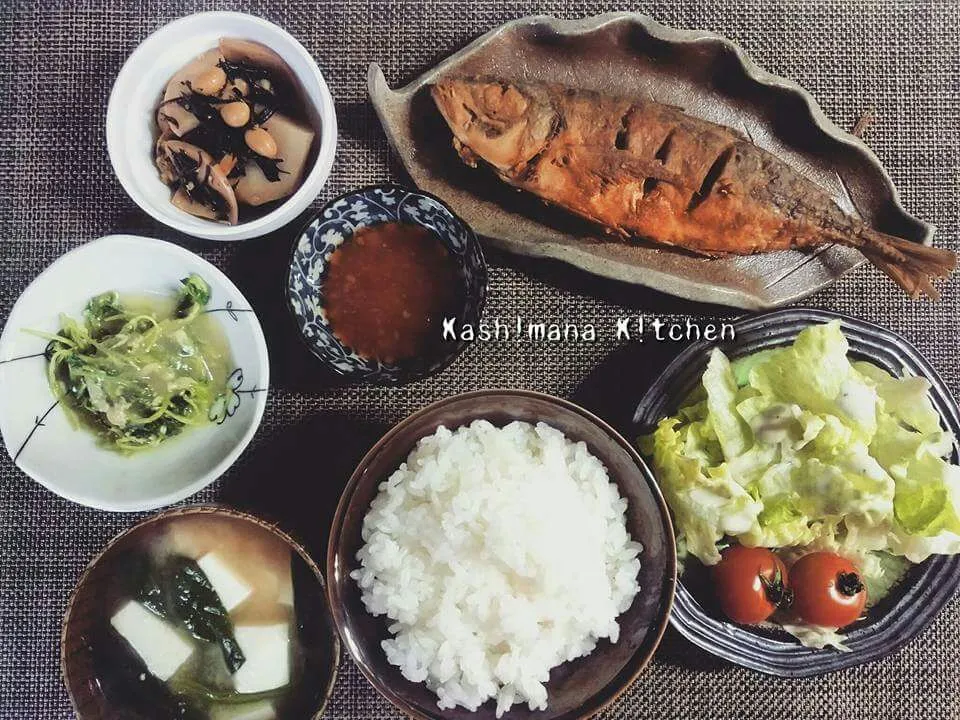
column 194, row 295
column 148, row 586
column 197, row 606
column 178, row 590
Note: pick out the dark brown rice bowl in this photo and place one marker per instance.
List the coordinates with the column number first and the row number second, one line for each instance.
column 577, row 689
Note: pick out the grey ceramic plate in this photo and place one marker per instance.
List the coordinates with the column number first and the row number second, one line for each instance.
column 891, row 623
column 708, row 76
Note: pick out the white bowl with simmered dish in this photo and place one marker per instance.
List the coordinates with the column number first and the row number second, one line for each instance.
column 133, row 373
column 172, row 68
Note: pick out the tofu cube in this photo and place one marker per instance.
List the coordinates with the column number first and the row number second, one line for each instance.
column 267, row 649
column 231, row 588
column 285, row 583
column 263, row 710
column 158, row 644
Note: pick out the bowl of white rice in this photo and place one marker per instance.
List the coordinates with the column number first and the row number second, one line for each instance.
column 501, row 554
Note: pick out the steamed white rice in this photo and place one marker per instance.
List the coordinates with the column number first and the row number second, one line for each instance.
column 498, row 553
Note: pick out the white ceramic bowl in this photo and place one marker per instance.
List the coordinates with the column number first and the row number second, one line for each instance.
column 67, row 460
column 132, row 130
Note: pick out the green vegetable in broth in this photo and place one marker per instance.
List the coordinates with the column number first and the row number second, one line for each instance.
column 203, row 695
column 194, row 294
column 184, row 641
column 148, row 587
column 179, row 591
column 138, row 373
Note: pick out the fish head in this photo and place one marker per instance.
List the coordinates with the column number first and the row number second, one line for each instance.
column 496, row 122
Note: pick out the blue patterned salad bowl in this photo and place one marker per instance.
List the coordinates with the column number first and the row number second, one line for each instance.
column 335, row 225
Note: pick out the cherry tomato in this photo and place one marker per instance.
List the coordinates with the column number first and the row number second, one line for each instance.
column 751, row 583
column 827, row 590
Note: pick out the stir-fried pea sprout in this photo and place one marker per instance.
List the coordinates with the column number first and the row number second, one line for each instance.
column 135, row 379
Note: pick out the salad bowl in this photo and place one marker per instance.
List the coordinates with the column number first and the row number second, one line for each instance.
column 39, row 434
column 910, row 605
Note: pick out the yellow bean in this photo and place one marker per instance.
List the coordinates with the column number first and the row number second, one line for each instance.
column 261, row 142
column 239, row 85
column 235, row 114
column 209, row 82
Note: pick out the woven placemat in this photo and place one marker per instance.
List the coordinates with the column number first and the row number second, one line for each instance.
column 57, row 190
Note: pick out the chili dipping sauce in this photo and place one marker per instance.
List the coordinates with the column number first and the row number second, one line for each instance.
column 388, row 290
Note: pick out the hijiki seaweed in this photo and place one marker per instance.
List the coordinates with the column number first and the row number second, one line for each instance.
column 193, row 182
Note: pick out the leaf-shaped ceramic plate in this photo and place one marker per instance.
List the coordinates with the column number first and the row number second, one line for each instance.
column 630, row 55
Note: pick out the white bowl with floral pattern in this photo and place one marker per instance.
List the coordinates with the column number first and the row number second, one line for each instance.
column 68, row 460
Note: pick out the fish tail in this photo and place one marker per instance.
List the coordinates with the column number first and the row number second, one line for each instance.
column 911, row 265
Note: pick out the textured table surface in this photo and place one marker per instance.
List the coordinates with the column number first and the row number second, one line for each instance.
column 57, row 190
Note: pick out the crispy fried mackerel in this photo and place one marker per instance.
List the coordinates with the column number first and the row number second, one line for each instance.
column 642, row 169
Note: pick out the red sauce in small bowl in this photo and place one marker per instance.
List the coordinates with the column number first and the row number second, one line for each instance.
column 388, row 289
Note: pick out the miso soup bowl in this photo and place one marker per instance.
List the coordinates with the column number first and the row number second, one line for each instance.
column 335, row 225
column 99, row 693
column 132, row 128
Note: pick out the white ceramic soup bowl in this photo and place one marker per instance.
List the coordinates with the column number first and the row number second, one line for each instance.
column 132, row 129
column 66, row 459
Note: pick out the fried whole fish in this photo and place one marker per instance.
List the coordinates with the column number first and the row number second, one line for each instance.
column 643, row 169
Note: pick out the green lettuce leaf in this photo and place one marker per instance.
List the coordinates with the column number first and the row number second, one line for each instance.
column 815, row 636
column 907, row 399
column 707, row 502
column 881, row 571
column 798, row 447
column 815, row 374
column 732, row 432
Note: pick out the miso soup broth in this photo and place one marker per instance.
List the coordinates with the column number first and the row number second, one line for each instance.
column 211, row 617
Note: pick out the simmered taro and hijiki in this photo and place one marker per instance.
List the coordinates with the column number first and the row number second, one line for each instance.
column 233, row 132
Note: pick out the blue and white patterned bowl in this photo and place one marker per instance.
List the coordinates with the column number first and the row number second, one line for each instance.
column 334, row 225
